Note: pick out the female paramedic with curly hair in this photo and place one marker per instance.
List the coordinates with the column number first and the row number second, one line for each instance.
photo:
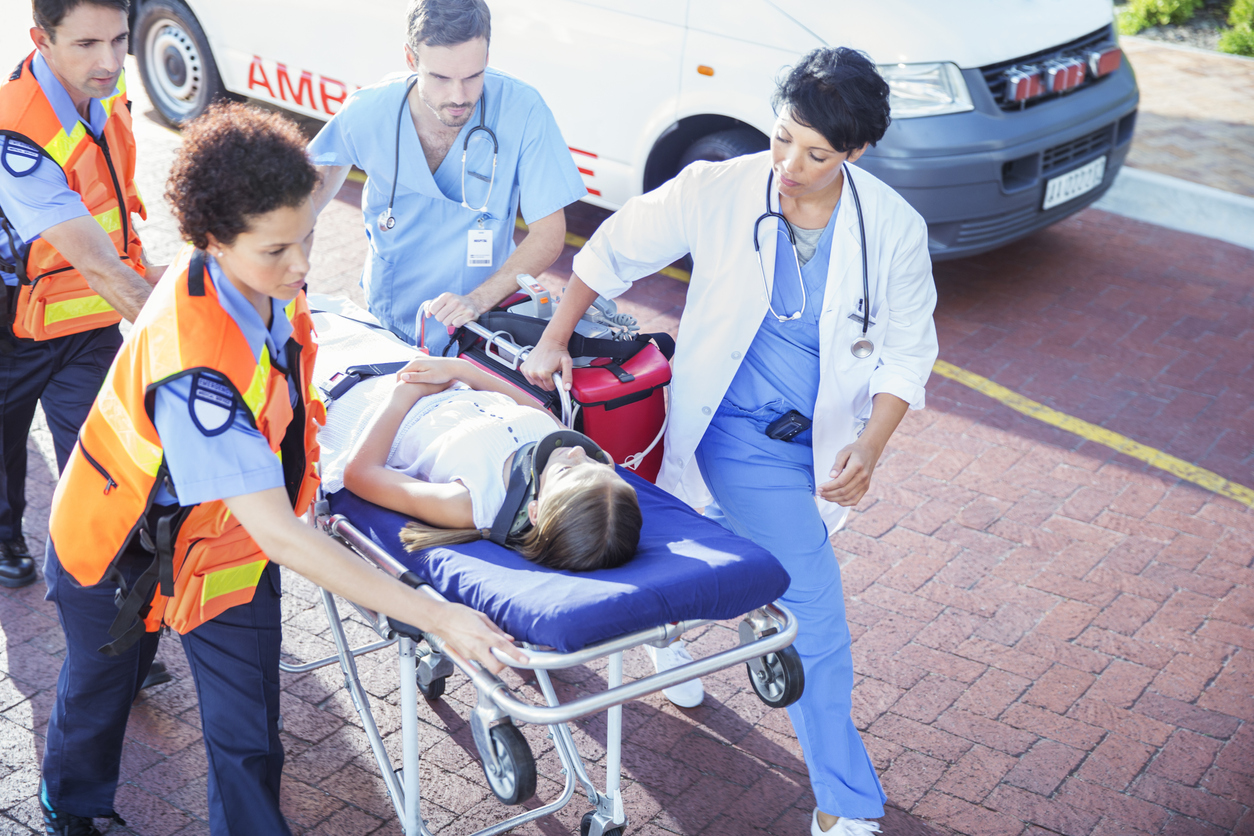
column 186, row 482
column 810, row 303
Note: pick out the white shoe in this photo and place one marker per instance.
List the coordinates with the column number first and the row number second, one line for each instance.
column 686, row 694
column 843, row 826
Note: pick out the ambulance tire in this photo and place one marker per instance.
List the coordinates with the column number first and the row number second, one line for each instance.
column 724, row 145
column 175, row 62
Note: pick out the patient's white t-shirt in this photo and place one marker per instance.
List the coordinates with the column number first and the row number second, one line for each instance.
column 465, row 436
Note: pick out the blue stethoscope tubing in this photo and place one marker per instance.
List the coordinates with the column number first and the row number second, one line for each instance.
column 387, row 220
column 861, row 347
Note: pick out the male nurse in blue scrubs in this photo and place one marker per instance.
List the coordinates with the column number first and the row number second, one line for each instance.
column 439, row 229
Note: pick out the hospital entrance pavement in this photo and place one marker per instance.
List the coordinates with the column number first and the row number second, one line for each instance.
column 1050, row 637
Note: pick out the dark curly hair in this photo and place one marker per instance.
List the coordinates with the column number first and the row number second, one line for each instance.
column 236, row 162
column 839, row 93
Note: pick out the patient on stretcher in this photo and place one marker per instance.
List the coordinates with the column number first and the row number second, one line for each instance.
column 444, row 447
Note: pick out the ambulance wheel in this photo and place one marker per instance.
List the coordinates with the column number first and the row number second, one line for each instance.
column 175, row 62
column 433, row 691
column 723, row 145
column 585, row 826
column 511, row 769
column 782, row 679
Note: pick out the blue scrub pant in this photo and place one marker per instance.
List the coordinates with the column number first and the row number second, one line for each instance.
column 765, row 490
column 65, row 373
column 235, row 663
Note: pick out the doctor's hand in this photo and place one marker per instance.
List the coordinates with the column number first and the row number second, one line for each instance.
column 453, row 310
column 472, row 635
column 545, row 359
column 851, row 474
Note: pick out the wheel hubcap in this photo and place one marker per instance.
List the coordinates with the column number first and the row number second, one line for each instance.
column 176, row 67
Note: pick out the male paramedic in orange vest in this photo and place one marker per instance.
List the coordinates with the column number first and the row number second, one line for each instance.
column 71, row 262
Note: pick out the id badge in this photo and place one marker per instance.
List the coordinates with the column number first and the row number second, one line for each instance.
column 479, row 248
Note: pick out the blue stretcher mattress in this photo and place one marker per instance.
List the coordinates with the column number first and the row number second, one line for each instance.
column 687, row 567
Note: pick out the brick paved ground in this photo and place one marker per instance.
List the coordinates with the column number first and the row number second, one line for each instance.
column 1049, row 637
column 1196, row 118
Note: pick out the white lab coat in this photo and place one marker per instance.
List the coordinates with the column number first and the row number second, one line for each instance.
column 709, row 210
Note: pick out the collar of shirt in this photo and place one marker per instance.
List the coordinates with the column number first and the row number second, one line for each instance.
column 63, row 105
column 249, row 321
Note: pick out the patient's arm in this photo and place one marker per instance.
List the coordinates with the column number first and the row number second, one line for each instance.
column 444, row 370
column 446, row 505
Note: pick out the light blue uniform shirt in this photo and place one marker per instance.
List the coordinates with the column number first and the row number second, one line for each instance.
column 210, row 455
column 782, row 363
column 34, row 193
column 425, row 254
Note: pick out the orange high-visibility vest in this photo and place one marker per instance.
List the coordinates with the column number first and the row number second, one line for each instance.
column 54, row 299
column 205, row 561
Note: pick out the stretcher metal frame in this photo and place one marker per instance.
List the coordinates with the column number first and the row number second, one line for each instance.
column 764, row 632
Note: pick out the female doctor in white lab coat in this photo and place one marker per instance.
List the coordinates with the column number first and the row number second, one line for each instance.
column 768, row 347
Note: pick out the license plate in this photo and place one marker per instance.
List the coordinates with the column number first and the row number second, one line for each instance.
column 1071, row 185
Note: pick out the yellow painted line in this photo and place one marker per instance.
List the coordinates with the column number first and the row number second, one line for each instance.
column 1177, row 467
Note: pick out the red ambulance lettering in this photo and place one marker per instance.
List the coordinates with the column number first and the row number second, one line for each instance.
column 305, row 85
column 257, row 77
column 327, row 99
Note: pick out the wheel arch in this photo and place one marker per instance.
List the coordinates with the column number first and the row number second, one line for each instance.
column 663, row 160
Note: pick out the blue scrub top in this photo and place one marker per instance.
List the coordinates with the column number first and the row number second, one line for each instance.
column 425, row 254
column 213, row 453
column 34, row 193
column 782, row 363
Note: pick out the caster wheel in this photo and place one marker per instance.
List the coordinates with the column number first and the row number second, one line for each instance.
column 433, row 691
column 511, row 771
column 585, row 826
column 781, row 679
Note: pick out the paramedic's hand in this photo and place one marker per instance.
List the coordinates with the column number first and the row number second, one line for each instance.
column 473, row 635
column 547, row 357
column 453, row 310
column 851, row 474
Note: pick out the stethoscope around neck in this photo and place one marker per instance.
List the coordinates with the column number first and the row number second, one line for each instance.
column 387, row 220
column 861, row 347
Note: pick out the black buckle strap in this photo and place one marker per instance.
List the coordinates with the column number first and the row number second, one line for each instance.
column 356, row 374
column 134, row 606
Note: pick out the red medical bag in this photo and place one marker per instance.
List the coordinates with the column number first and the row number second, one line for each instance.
column 621, row 405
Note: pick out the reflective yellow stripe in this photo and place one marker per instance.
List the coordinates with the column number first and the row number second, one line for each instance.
column 145, row 454
column 255, row 397
column 110, row 220
column 62, row 145
column 314, row 395
column 73, row 308
column 120, row 96
column 226, row 581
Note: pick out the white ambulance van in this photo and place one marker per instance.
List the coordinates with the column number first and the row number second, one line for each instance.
column 1008, row 115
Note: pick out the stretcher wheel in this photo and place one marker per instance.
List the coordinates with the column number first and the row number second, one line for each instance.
column 510, row 767
column 585, row 826
column 433, row 691
column 780, row 680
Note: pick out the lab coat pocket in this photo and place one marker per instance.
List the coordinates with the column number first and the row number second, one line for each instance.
column 217, row 573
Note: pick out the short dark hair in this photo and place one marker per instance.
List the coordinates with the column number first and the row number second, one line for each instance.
column 447, row 22
column 236, row 162
column 839, row 93
column 48, row 14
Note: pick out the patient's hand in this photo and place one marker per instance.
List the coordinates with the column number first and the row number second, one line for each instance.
column 440, row 371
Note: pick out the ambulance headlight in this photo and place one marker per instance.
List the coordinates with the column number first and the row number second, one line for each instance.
column 925, row 89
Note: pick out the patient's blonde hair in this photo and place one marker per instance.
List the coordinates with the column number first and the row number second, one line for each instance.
column 591, row 523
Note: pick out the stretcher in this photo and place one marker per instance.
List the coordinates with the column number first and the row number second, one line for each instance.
column 688, row 572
